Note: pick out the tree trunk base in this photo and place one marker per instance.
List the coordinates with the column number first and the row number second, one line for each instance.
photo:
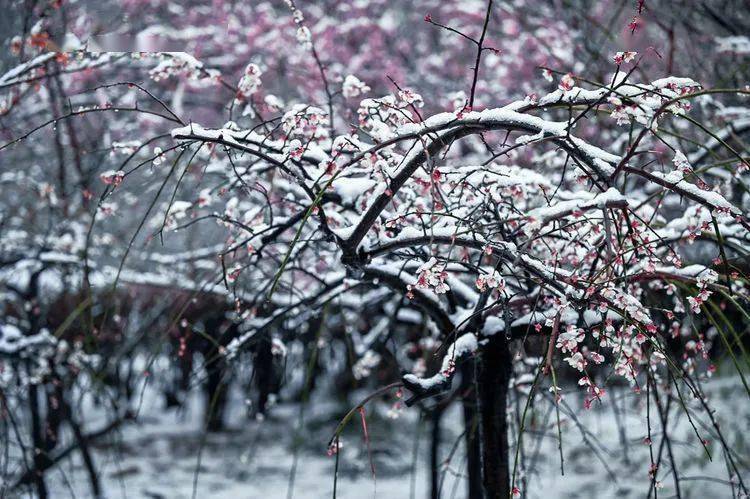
column 492, row 378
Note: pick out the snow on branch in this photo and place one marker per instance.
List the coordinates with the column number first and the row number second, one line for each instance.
column 464, row 346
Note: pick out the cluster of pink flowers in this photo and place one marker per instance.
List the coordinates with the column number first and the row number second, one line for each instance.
column 704, row 282
column 492, row 280
column 432, row 275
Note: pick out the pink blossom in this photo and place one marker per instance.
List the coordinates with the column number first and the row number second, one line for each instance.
column 621, row 57
column 112, row 177
column 566, row 82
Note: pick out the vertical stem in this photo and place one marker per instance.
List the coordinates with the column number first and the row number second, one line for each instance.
column 493, row 374
column 480, row 47
column 88, row 459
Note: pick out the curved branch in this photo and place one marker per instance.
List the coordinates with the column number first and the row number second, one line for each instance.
column 430, row 306
column 444, row 133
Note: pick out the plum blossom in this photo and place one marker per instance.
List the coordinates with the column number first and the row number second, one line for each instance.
column 704, row 282
column 621, row 57
column 492, row 280
column 567, row 82
column 158, row 156
column 108, row 209
column 576, row 361
column 410, row 97
column 205, row 198
column 304, row 37
column 353, row 87
column 112, row 177
column 234, row 273
column 429, row 276
column 596, row 357
column 568, row 340
column 250, row 81
column 305, row 122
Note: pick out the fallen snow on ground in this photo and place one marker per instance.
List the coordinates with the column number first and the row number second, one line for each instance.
column 253, row 459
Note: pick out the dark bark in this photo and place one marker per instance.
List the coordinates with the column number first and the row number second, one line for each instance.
column 54, row 395
column 216, row 394
column 493, row 374
column 471, row 435
column 263, row 364
column 40, row 456
column 83, row 446
column 435, row 416
column 217, row 382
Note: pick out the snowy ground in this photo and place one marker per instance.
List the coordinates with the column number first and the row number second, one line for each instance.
column 160, row 456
